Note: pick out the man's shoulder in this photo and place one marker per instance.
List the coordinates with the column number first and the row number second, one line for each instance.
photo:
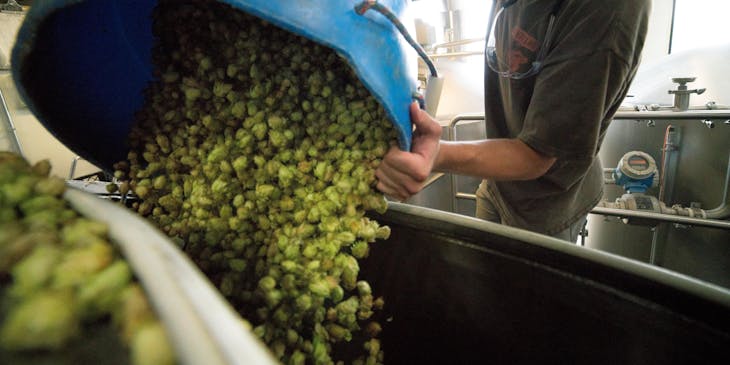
column 588, row 26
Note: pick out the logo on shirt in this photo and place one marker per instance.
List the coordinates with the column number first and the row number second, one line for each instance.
column 522, row 40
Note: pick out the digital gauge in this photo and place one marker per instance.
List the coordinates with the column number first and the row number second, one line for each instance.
column 637, row 165
column 636, row 171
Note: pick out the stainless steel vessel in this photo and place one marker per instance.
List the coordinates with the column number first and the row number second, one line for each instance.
column 695, row 169
column 462, row 291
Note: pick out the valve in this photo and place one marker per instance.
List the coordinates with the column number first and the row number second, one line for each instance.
column 681, row 94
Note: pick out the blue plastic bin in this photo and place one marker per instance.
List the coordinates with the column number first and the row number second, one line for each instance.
column 81, row 66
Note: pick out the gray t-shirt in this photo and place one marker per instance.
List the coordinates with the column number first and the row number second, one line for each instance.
column 565, row 109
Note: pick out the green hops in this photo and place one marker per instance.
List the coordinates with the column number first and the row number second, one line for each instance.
column 52, row 186
column 192, row 94
column 100, row 293
column 35, row 270
column 269, row 154
column 47, row 319
column 238, row 109
column 149, row 346
column 63, row 271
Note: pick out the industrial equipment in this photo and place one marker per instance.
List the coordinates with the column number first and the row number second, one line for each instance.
column 636, row 173
column 681, row 95
column 694, row 166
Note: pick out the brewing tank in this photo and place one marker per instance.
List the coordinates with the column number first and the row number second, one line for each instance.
column 693, row 164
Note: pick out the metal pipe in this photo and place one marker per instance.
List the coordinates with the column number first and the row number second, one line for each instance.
column 72, row 170
column 465, row 196
column 608, row 178
column 9, row 123
column 449, row 31
column 670, row 159
column 654, row 244
column 638, row 115
column 460, row 118
column 712, row 223
column 433, row 179
column 671, row 115
column 451, row 132
column 710, row 105
column 460, row 42
column 457, row 54
column 723, row 210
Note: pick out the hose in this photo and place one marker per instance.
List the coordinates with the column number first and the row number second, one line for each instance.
column 372, row 4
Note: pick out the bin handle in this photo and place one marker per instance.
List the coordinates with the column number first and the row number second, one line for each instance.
column 373, row 4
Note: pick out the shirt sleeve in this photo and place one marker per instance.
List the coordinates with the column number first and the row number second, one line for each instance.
column 585, row 76
column 572, row 103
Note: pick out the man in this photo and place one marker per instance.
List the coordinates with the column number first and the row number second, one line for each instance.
column 557, row 71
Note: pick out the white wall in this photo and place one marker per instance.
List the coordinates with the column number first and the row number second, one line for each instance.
column 36, row 142
column 9, row 24
column 700, row 24
column 660, row 26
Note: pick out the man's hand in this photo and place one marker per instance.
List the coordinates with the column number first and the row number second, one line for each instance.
column 401, row 173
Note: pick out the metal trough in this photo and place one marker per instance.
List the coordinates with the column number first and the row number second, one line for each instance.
column 464, row 291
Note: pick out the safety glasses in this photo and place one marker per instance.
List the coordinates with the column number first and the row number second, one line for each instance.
column 500, row 65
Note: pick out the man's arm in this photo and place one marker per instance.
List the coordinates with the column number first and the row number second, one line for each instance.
column 402, row 174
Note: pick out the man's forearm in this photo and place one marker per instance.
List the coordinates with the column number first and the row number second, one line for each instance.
column 496, row 159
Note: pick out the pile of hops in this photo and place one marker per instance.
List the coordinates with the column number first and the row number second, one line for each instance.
column 59, row 273
column 256, row 151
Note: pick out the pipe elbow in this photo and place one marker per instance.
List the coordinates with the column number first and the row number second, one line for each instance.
column 722, row 212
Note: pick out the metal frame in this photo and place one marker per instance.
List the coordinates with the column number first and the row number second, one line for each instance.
column 678, row 219
column 12, row 133
column 452, row 137
column 673, row 115
column 455, row 54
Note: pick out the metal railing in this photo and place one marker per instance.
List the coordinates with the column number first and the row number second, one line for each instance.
column 451, row 134
column 7, row 124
